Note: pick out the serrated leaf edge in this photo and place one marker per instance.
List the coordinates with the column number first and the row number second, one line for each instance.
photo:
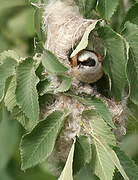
column 21, row 149
column 37, row 80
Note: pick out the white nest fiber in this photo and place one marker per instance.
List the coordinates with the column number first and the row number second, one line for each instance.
column 64, row 27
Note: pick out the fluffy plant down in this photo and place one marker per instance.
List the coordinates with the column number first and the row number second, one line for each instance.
column 64, row 27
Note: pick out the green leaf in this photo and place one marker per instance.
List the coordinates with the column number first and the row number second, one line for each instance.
column 9, row 54
column 103, row 138
column 86, row 173
column 86, row 146
column 103, row 166
column 114, row 63
column 38, row 24
column 132, row 15
column 99, row 105
column 43, row 87
column 131, row 35
column 116, row 161
column 118, row 16
column 40, row 72
column 7, row 68
column 84, row 41
column 133, row 110
column 66, row 83
column 102, row 110
column 132, row 74
column 18, row 114
column 106, row 159
column 82, row 153
column 100, row 128
column 106, row 8
column 67, row 171
column 38, row 145
column 51, row 63
column 10, row 98
column 8, row 138
column 86, row 6
column 26, row 93
column 129, row 166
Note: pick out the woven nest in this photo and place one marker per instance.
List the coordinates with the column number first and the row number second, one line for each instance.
column 64, row 27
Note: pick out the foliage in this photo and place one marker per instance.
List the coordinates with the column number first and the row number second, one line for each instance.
column 84, row 41
column 114, row 63
column 51, row 63
column 67, row 171
column 25, row 82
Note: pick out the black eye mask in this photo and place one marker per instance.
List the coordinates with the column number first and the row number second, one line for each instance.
column 89, row 62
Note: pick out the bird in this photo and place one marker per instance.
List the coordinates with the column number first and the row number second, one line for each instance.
column 87, row 66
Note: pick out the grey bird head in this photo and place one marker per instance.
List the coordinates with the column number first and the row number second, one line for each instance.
column 87, row 66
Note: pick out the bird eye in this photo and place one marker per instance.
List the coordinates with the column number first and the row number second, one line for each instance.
column 89, row 62
column 87, row 58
